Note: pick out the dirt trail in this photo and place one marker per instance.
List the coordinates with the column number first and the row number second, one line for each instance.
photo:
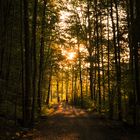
column 69, row 123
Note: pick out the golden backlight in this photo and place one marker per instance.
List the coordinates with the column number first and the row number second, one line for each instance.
column 71, row 55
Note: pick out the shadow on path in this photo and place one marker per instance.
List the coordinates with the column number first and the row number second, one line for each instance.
column 68, row 123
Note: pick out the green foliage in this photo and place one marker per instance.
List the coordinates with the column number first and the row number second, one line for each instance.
column 87, row 103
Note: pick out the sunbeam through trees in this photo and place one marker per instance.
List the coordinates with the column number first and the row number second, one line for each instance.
column 75, row 53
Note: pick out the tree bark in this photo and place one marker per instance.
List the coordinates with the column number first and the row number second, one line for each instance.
column 34, row 69
column 27, row 117
column 41, row 63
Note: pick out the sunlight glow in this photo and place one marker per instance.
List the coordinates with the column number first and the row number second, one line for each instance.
column 71, row 55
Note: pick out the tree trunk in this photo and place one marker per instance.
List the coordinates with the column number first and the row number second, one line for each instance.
column 27, row 117
column 119, row 64
column 41, row 63
column 34, row 69
column 117, row 60
column 49, row 87
column 110, row 96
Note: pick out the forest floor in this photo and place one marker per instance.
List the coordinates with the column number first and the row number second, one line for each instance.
column 65, row 122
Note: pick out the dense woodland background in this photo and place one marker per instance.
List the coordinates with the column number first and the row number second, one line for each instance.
column 83, row 52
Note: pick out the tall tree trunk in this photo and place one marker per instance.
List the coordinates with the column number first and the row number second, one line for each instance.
column 27, row 117
column 102, row 61
column 49, row 87
column 75, row 88
column 132, row 95
column 5, row 7
column 34, row 69
column 110, row 96
column 118, row 63
column 22, row 62
column 72, row 85
column 57, row 92
column 134, row 47
column 98, row 54
column 41, row 63
column 90, row 50
column 80, row 76
column 137, row 51
column 117, row 60
column 67, row 87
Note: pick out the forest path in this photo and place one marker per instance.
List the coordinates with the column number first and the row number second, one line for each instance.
column 69, row 123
